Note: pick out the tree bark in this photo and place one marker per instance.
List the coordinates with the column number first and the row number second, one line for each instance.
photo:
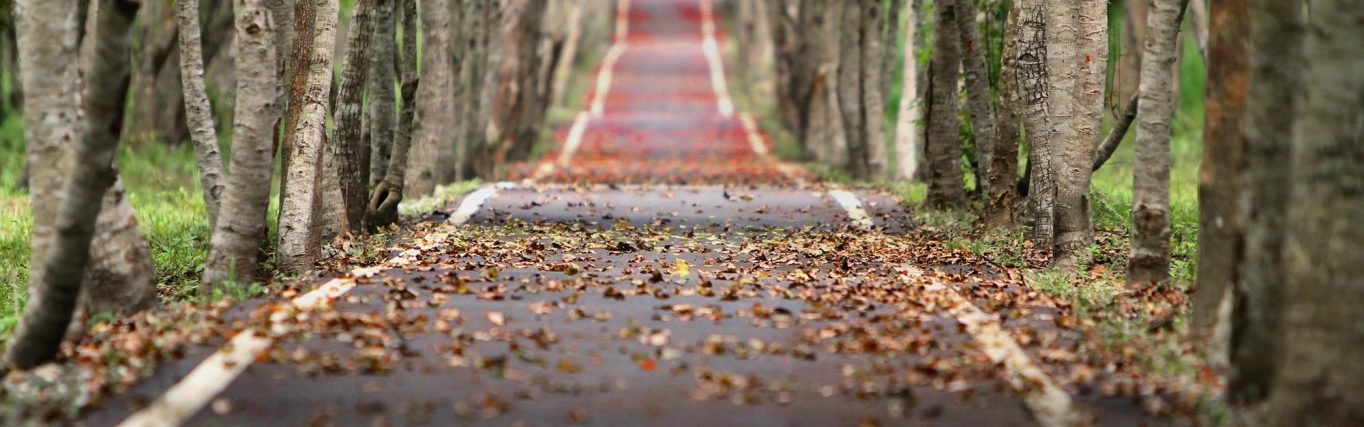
column 889, row 35
column 518, row 101
column 1219, row 235
column 48, row 57
column 1275, row 61
column 945, row 186
column 814, row 82
column 1033, row 78
column 850, row 89
column 977, row 79
column 1320, row 376
column 783, row 16
column 1003, row 170
column 1074, row 227
column 1149, row 261
column 873, row 103
column 381, row 116
column 474, row 68
column 120, row 276
column 157, row 107
column 235, row 245
column 383, row 203
column 487, row 128
column 906, row 130
column 199, row 112
column 350, row 156
column 435, row 109
column 309, row 82
column 120, row 272
column 1116, row 134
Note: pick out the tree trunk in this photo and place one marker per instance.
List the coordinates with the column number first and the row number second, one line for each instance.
column 977, row 78
column 350, row 156
column 48, row 57
column 486, row 128
column 1150, row 258
column 1115, row 135
column 235, row 245
column 473, row 133
column 850, row 81
column 518, row 101
column 383, row 204
column 873, row 104
column 435, row 109
column 1034, row 75
column 199, row 112
column 380, row 116
column 453, row 148
column 1219, row 235
column 1275, row 61
column 569, row 58
column 906, row 129
column 814, row 83
column 120, row 276
column 1074, row 227
column 1134, row 32
column 889, row 35
column 310, row 78
column 783, row 16
column 945, row 186
column 1320, row 377
column 1003, row 170
column 157, row 107
column 120, row 273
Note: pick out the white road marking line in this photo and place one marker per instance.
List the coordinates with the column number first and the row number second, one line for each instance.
column 1051, row 405
column 755, row 139
column 575, row 138
column 850, row 204
column 471, row 203
column 179, row 403
column 206, row 380
column 717, row 68
column 604, row 79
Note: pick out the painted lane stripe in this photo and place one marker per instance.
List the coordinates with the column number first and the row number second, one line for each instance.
column 575, row 138
column 717, row 67
column 1051, row 405
column 604, row 79
column 755, row 139
column 596, row 107
column 850, row 204
column 206, row 380
column 471, row 203
column 188, row 396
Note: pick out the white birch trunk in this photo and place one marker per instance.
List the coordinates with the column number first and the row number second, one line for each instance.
column 235, row 246
column 297, row 248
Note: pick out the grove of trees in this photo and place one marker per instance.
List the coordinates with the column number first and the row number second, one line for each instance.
column 1002, row 110
column 1281, row 175
column 338, row 102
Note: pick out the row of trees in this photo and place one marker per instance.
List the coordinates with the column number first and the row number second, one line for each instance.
column 401, row 124
column 1283, row 166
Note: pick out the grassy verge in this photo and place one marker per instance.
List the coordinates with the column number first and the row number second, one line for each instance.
column 163, row 188
column 1142, row 326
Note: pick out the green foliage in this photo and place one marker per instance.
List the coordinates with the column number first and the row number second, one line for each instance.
column 163, row 187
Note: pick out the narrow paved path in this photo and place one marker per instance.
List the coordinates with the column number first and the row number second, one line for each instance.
column 658, row 267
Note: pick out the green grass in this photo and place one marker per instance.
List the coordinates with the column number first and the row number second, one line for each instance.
column 163, row 188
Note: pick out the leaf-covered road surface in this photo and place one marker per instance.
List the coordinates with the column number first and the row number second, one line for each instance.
column 658, row 267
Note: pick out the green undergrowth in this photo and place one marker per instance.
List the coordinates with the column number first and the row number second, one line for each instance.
column 1123, row 319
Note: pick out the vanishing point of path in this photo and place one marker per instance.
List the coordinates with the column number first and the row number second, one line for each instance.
column 658, row 267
